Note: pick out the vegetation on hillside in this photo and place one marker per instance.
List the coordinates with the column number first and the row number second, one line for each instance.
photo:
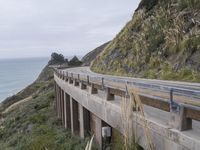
column 162, row 41
column 32, row 123
column 89, row 57
column 57, row 59
column 75, row 62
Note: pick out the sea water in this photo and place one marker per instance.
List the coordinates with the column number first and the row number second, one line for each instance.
column 16, row 74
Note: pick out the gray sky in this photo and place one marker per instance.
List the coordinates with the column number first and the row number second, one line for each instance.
column 34, row 28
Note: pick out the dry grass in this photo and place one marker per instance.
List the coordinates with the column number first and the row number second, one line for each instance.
column 130, row 129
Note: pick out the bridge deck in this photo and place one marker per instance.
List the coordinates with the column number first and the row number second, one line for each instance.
column 186, row 93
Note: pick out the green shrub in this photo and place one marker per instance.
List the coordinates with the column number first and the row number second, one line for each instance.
column 38, row 118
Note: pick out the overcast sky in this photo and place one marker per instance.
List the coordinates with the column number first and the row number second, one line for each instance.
column 36, row 28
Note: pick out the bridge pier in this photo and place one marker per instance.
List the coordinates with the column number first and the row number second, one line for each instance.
column 62, row 107
column 56, row 98
column 84, row 120
column 74, row 116
column 97, row 130
column 67, row 111
column 59, row 105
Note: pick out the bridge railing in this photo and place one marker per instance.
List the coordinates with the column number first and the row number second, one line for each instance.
column 163, row 97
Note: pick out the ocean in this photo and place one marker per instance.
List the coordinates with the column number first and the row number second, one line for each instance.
column 16, row 74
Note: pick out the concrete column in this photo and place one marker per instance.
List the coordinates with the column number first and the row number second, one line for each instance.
column 81, row 120
column 67, row 111
column 59, row 114
column 57, row 94
column 108, row 95
column 56, row 98
column 62, row 107
column 178, row 119
column 84, row 120
column 74, row 116
column 98, row 132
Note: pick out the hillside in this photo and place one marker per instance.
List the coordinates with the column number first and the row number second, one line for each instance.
column 28, row 120
column 162, row 41
column 88, row 58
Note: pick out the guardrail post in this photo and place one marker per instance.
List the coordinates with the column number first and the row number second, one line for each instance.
column 83, row 86
column 88, row 80
column 76, row 81
column 178, row 118
column 93, row 90
column 63, row 75
column 71, row 79
column 109, row 96
column 66, row 79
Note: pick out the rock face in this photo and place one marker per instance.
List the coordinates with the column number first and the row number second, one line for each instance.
column 161, row 41
column 88, row 58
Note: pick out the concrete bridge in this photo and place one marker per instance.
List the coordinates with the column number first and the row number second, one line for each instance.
column 161, row 115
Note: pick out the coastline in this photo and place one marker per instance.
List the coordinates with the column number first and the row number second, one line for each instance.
column 25, row 71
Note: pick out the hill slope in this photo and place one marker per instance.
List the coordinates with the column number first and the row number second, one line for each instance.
column 161, row 41
column 28, row 119
column 89, row 57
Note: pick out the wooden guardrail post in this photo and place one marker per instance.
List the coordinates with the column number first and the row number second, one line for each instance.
column 178, row 118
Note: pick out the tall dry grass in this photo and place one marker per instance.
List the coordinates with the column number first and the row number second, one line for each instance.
column 129, row 104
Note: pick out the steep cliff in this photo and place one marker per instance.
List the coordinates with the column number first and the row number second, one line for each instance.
column 161, row 41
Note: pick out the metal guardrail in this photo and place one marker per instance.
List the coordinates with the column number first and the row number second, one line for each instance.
column 119, row 87
column 190, row 93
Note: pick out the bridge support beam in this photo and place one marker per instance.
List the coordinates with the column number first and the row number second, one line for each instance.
column 74, row 116
column 67, row 111
column 59, row 100
column 62, row 107
column 56, row 98
column 97, row 129
column 179, row 120
column 84, row 119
